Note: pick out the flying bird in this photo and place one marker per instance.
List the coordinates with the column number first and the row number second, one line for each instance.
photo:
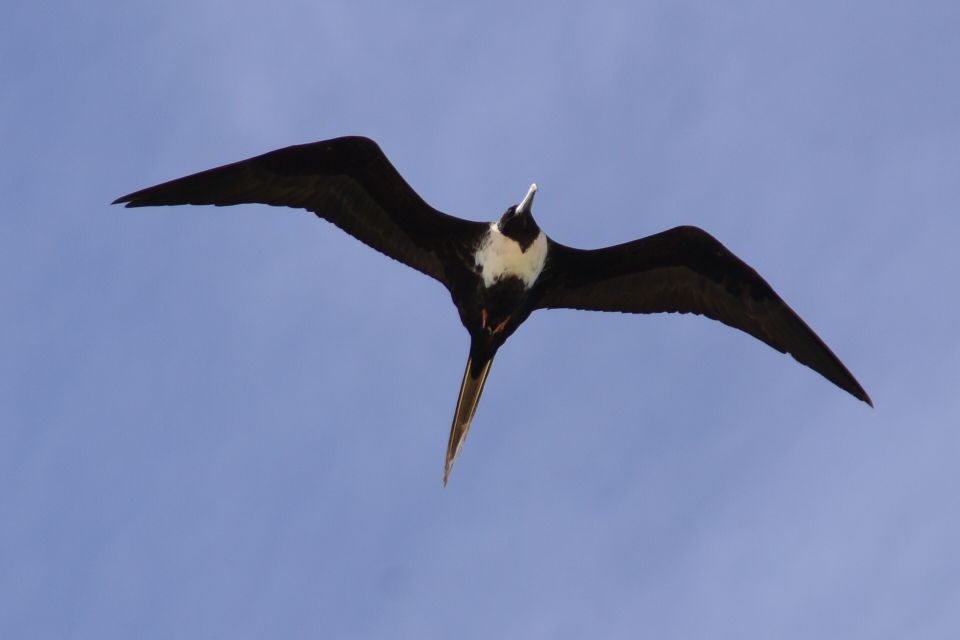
column 499, row 272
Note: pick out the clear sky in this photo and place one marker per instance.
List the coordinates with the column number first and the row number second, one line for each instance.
column 230, row 423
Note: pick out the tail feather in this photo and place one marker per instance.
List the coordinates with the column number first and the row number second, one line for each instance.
column 470, row 389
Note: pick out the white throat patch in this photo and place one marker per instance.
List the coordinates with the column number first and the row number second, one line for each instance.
column 500, row 257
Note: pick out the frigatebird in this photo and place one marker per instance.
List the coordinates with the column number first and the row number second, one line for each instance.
column 499, row 272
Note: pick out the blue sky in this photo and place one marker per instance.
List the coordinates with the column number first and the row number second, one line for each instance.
column 231, row 422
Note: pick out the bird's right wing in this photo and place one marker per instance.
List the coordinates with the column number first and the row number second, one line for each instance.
column 686, row 270
column 349, row 182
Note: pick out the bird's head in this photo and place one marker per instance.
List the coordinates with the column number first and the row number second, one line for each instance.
column 517, row 222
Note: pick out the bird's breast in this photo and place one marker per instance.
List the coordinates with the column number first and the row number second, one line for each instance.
column 499, row 257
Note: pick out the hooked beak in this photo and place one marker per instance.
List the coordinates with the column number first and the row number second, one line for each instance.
column 527, row 202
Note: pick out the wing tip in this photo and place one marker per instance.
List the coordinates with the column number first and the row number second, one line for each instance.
column 851, row 386
column 135, row 199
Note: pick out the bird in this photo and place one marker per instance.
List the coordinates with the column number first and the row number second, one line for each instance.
column 499, row 272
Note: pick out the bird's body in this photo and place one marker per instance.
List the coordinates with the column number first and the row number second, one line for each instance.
column 498, row 273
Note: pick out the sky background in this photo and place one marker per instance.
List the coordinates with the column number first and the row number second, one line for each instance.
column 230, row 423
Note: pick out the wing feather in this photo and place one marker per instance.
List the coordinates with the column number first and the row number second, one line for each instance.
column 347, row 181
column 686, row 270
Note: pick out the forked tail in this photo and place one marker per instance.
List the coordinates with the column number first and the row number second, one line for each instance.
column 470, row 390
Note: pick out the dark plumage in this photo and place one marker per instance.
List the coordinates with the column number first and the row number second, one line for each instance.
column 499, row 273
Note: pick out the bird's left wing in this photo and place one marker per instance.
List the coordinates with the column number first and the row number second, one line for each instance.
column 686, row 270
column 348, row 181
